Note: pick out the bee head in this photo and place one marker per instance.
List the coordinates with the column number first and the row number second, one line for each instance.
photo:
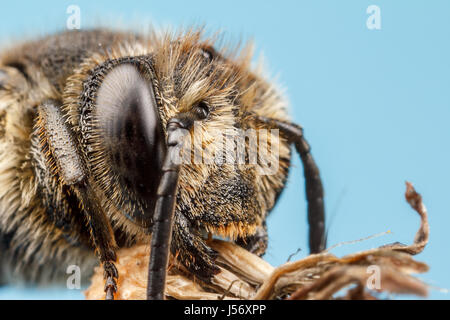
column 126, row 100
column 215, row 193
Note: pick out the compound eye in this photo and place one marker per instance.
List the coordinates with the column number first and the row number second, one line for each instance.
column 129, row 130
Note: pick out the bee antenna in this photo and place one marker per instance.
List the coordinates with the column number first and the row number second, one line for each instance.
column 313, row 182
column 177, row 129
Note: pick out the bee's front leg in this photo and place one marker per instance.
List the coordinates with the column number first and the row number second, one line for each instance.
column 191, row 250
column 256, row 243
column 102, row 236
column 63, row 160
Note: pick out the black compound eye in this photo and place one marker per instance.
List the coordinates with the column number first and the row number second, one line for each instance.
column 202, row 109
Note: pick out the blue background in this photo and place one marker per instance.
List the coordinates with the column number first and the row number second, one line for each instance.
column 375, row 105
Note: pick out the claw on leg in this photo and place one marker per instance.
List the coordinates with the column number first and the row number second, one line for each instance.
column 192, row 250
column 111, row 275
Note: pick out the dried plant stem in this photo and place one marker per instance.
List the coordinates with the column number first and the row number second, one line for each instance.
column 244, row 275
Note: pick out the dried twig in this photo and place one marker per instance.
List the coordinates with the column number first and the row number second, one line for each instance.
column 421, row 238
column 244, row 275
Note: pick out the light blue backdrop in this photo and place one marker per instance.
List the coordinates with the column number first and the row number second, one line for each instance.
column 375, row 105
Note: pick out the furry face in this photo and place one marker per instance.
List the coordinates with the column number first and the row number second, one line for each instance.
column 75, row 108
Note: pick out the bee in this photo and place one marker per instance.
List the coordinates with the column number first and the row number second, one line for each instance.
column 91, row 123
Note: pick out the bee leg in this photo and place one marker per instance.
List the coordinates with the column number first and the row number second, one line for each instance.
column 62, row 156
column 257, row 242
column 190, row 248
column 102, row 236
column 314, row 188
